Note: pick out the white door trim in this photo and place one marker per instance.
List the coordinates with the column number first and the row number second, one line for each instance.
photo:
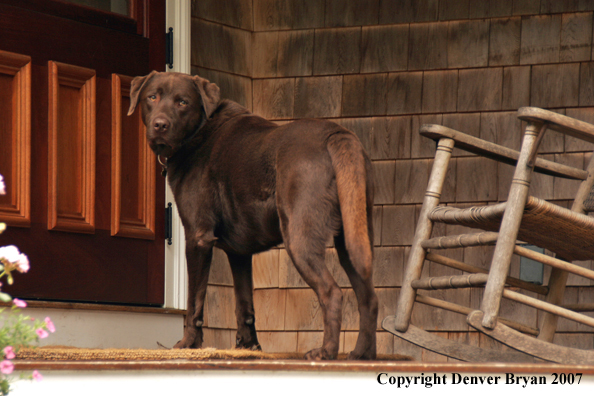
column 179, row 17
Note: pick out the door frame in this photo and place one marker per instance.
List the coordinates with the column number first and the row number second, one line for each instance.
column 179, row 17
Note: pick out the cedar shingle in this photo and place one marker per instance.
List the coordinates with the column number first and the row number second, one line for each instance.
column 269, row 305
column 477, row 180
column 427, row 48
column 364, row 94
column 295, row 53
column 318, row 97
column 265, row 269
column 405, row 11
column 504, row 41
column 337, row 51
column 398, row 225
column 526, row 7
column 216, row 43
column 273, row 98
column 555, row 85
column 454, row 9
column 480, row 89
column 516, row 87
column 468, row 43
column 290, row 14
column 576, row 37
column 383, row 174
column 219, row 307
column 236, row 13
column 303, row 310
column 405, row 92
column 411, row 180
column 586, row 95
column 541, row 39
column 440, row 91
column 390, row 138
column 341, row 13
column 384, row 48
column 388, row 264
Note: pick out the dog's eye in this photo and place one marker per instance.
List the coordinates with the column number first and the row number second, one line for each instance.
column 152, row 98
column 183, row 103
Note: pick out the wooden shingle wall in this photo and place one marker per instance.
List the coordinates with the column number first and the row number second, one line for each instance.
column 382, row 68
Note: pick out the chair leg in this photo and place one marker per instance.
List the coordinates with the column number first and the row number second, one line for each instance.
column 508, row 231
column 557, row 283
column 414, row 266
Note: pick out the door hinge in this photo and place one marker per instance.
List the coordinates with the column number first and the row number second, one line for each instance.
column 169, row 223
column 169, row 48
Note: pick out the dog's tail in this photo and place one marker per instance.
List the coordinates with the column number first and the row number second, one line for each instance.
column 354, row 183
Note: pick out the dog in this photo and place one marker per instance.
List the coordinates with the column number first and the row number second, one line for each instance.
column 245, row 184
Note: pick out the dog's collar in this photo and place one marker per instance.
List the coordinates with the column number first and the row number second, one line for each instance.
column 163, row 166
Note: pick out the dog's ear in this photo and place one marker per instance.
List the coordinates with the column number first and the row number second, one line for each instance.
column 135, row 88
column 210, row 94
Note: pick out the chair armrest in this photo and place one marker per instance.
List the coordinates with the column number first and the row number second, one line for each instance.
column 558, row 122
column 498, row 153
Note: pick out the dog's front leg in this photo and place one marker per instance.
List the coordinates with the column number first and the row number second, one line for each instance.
column 199, row 258
column 241, row 267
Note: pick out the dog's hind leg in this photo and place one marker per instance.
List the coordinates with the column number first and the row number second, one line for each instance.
column 359, row 274
column 307, row 205
column 307, row 251
column 241, row 268
column 311, row 266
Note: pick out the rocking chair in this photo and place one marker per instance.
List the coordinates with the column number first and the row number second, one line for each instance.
column 569, row 234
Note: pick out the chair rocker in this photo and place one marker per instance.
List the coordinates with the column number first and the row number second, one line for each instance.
column 569, row 234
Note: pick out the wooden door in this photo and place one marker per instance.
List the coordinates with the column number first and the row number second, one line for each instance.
column 84, row 198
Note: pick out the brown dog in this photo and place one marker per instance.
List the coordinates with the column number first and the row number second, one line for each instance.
column 245, row 184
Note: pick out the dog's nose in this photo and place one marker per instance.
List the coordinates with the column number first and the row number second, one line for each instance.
column 160, row 125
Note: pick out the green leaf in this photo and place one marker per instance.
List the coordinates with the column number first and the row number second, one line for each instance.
column 5, row 297
column 4, row 387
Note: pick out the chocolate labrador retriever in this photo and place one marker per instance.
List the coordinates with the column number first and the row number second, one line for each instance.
column 245, row 184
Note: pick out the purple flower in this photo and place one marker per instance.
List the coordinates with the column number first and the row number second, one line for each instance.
column 19, row 303
column 6, row 367
column 36, row 376
column 9, row 352
column 42, row 333
column 50, row 325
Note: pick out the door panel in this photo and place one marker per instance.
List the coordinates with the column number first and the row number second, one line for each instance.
column 94, row 230
column 133, row 170
column 15, row 136
column 71, row 165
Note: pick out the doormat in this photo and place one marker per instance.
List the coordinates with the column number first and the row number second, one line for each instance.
column 84, row 354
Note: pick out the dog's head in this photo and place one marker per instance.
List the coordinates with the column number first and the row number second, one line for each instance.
column 174, row 106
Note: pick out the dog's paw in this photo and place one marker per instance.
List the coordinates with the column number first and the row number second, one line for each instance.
column 368, row 355
column 319, row 354
column 251, row 347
